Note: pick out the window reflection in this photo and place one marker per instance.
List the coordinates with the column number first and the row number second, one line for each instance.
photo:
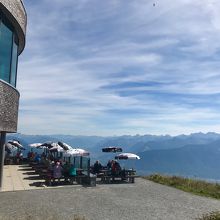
column 8, row 52
column 14, row 64
column 5, row 53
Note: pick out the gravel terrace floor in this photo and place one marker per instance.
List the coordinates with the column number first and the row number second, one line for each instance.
column 142, row 200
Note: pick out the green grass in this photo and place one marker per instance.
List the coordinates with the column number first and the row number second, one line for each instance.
column 45, row 215
column 197, row 187
column 76, row 217
column 210, row 216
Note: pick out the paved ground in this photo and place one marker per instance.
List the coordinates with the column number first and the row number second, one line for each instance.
column 19, row 177
column 142, row 200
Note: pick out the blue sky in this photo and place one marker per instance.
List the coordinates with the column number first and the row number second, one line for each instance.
column 120, row 67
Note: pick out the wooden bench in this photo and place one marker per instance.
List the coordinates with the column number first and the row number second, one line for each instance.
column 131, row 179
column 79, row 179
column 127, row 178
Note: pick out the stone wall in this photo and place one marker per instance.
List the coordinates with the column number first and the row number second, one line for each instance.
column 17, row 10
column 9, row 100
column 9, row 97
column 17, row 14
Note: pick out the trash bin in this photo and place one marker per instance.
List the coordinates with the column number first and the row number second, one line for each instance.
column 89, row 180
column 92, row 180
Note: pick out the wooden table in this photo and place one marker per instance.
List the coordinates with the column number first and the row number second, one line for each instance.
column 124, row 175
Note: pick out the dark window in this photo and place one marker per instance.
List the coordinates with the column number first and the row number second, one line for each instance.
column 5, row 52
column 8, row 51
column 14, row 63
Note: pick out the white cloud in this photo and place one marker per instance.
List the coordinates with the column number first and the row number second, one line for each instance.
column 114, row 67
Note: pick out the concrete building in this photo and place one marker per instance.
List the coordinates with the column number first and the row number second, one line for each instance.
column 13, row 22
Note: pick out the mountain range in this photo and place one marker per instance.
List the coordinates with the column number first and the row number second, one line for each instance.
column 196, row 155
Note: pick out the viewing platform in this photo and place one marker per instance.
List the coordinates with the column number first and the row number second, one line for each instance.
column 142, row 200
column 17, row 177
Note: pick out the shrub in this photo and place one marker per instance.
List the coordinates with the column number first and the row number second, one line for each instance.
column 210, row 216
column 197, row 187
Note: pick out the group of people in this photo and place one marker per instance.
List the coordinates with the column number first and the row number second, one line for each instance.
column 17, row 159
column 55, row 168
column 35, row 157
column 112, row 166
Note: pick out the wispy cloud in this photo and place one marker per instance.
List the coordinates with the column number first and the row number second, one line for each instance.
column 120, row 67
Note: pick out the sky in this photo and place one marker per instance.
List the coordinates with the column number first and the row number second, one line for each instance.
column 120, row 67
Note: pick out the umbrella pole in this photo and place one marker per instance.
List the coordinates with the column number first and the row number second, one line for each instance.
column 81, row 162
column 2, row 155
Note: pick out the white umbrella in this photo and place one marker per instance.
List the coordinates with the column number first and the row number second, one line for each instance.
column 76, row 152
column 112, row 149
column 36, row 145
column 72, row 152
column 47, row 144
column 127, row 156
column 16, row 144
column 9, row 147
column 56, row 147
column 65, row 146
column 82, row 152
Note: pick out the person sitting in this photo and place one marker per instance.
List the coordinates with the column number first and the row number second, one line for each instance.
column 29, row 155
column 72, row 173
column 57, row 171
column 116, row 168
column 32, row 156
column 109, row 165
column 37, row 158
column 97, row 167
column 19, row 157
column 50, row 168
column 43, row 155
column 72, row 170
column 7, row 157
column 66, row 168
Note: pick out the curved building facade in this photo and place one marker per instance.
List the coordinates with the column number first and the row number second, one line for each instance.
column 13, row 22
column 12, row 42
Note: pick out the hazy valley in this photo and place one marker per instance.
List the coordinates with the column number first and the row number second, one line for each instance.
column 195, row 155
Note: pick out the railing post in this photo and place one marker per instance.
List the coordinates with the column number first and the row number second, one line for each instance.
column 88, row 167
column 2, row 156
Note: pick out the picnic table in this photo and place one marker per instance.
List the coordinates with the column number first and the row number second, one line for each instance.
column 80, row 178
column 126, row 175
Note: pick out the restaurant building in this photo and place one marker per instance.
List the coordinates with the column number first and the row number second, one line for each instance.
column 13, row 22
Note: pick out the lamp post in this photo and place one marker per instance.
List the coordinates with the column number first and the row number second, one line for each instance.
column 2, row 155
